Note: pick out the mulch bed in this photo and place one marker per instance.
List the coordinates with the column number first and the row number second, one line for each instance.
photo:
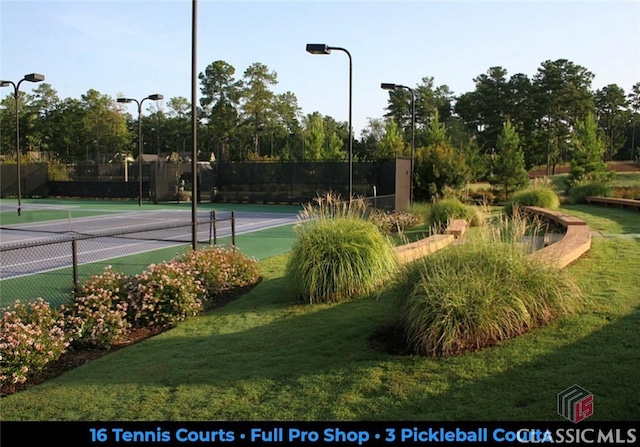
column 77, row 357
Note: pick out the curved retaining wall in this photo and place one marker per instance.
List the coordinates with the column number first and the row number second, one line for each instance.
column 423, row 247
column 612, row 201
column 575, row 242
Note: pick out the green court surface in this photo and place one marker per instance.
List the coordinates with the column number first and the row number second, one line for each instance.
column 37, row 210
column 56, row 286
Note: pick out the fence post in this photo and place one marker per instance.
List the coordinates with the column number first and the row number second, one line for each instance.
column 74, row 256
column 212, row 228
column 375, row 197
column 233, row 228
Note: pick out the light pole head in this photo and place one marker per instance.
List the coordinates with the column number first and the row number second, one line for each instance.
column 124, row 100
column 34, row 77
column 156, row 97
column 5, row 83
column 318, row 48
column 387, row 86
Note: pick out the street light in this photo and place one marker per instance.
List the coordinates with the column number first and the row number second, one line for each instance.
column 321, row 48
column 389, row 86
column 33, row 77
column 155, row 97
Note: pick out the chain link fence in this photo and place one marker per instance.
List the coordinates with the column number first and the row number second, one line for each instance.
column 52, row 267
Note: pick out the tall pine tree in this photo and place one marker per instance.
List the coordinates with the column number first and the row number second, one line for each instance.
column 509, row 171
column 587, row 152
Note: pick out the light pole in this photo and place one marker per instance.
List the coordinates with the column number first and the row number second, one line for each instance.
column 388, row 86
column 194, row 125
column 321, row 48
column 155, row 97
column 33, row 77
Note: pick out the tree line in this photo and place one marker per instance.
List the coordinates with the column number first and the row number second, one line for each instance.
column 241, row 118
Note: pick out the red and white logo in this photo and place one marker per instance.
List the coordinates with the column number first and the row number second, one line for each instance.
column 575, row 403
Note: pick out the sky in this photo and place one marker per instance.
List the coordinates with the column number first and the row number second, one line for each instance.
column 138, row 48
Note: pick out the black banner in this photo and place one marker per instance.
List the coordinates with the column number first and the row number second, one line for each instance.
column 314, row 433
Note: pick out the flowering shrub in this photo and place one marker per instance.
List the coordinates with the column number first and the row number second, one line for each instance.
column 31, row 336
column 109, row 304
column 109, row 279
column 98, row 314
column 395, row 222
column 221, row 270
column 164, row 294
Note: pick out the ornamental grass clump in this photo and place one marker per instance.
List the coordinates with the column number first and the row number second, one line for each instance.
column 541, row 196
column 476, row 294
column 31, row 336
column 579, row 192
column 331, row 205
column 441, row 212
column 165, row 294
column 97, row 317
column 518, row 229
column 221, row 270
column 335, row 259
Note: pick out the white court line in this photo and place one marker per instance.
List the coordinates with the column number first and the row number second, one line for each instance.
column 118, row 247
column 87, row 252
column 38, row 224
column 112, row 216
column 169, row 245
column 78, row 221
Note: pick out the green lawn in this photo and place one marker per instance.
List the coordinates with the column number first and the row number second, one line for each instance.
column 264, row 358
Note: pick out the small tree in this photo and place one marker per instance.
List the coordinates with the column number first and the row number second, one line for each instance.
column 587, row 150
column 314, row 138
column 509, row 172
column 439, row 166
column 392, row 143
column 436, row 131
column 477, row 161
column 335, row 150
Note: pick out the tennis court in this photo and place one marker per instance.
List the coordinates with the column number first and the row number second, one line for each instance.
column 37, row 254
